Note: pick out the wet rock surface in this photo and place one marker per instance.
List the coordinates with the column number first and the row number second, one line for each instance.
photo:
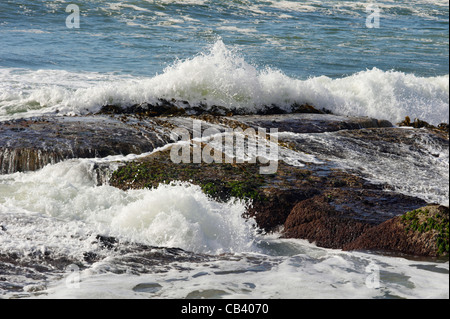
column 334, row 207
column 30, row 144
column 422, row 232
column 311, row 123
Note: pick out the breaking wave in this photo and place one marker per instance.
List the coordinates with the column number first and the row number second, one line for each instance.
column 221, row 76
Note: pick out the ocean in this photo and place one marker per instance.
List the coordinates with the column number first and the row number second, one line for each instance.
column 381, row 59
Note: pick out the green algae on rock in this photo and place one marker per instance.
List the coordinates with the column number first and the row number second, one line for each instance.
column 423, row 232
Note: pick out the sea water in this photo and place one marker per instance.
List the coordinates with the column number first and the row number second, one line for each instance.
column 381, row 59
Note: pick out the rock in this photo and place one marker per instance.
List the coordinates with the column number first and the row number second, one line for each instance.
column 405, row 122
column 28, row 145
column 272, row 212
column 421, row 232
column 321, row 202
column 272, row 196
column 161, row 108
column 309, row 122
column 443, row 127
column 151, row 287
column 107, row 242
column 305, row 108
column 316, row 220
column 337, row 217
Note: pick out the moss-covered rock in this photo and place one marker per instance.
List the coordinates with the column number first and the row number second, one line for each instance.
column 219, row 180
column 432, row 220
column 422, row 232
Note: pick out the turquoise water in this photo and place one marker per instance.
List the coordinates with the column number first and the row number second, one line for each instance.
column 301, row 38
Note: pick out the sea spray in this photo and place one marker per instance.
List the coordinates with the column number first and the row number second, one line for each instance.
column 176, row 215
column 180, row 215
column 221, row 76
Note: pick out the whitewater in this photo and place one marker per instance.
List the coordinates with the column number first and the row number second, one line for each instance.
column 59, row 211
column 220, row 76
column 174, row 241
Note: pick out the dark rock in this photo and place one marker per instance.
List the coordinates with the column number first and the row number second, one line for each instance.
column 338, row 217
column 443, row 127
column 272, row 212
column 28, row 145
column 305, row 108
column 319, row 222
column 309, row 122
column 163, row 107
column 107, row 241
column 90, row 257
column 271, row 110
column 152, row 287
column 405, row 122
column 421, row 232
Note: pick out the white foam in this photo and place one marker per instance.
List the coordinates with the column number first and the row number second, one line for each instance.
column 309, row 274
column 294, row 6
column 222, row 77
column 421, row 170
column 177, row 215
column 184, row 2
column 421, row 8
column 236, row 29
column 59, row 211
column 182, row 216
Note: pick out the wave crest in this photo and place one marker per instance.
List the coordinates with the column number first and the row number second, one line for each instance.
column 221, row 76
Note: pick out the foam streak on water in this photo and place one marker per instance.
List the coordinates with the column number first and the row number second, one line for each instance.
column 309, row 274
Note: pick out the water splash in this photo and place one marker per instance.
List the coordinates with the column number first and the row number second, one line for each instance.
column 221, row 76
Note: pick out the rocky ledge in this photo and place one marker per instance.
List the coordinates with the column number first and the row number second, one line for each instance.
column 318, row 201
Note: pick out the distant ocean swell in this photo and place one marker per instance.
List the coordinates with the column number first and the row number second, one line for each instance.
column 221, row 76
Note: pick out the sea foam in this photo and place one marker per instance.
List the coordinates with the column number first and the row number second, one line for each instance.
column 222, row 76
column 177, row 215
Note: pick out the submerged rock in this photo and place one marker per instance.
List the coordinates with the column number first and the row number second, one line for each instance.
column 310, row 123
